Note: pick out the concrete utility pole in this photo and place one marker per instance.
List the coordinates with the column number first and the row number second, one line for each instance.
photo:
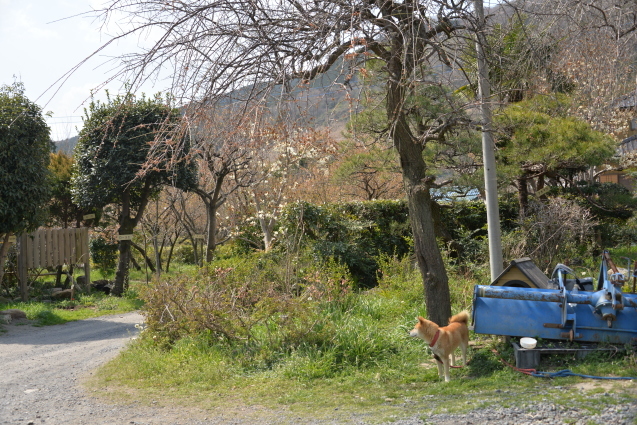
column 488, row 148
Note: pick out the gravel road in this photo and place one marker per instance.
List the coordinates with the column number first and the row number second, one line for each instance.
column 41, row 369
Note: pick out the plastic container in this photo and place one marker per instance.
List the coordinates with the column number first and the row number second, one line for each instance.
column 528, row 342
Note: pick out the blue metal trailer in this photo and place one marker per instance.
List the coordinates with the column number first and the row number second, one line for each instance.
column 572, row 311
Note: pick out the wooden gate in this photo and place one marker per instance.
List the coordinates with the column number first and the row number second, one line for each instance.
column 52, row 248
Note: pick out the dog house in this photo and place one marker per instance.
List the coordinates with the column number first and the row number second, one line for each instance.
column 522, row 273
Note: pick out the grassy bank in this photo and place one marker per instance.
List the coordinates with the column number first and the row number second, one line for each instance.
column 333, row 357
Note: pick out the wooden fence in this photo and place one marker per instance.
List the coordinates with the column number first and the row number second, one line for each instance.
column 52, row 248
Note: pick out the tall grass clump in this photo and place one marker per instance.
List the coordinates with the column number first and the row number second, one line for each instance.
column 259, row 319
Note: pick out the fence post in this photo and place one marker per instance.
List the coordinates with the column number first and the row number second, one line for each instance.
column 22, row 267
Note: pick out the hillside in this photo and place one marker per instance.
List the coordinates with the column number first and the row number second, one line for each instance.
column 66, row 145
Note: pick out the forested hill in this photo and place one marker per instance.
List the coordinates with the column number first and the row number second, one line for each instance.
column 66, row 145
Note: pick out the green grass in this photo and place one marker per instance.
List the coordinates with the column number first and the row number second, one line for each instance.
column 355, row 359
column 397, row 385
column 84, row 307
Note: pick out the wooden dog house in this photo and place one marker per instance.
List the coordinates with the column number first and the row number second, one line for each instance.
column 522, row 273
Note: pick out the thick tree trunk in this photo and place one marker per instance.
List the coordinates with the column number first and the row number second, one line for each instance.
column 126, row 227
column 417, row 185
column 430, row 263
column 121, row 275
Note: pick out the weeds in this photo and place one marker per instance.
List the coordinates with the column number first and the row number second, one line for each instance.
column 245, row 332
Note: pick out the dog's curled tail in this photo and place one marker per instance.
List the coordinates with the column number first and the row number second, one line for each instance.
column 460, row 318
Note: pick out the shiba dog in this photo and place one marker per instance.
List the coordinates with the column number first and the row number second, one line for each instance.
column 443, row 341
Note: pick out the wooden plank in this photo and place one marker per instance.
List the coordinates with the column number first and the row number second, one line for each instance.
column 86, row 258
column 22, row 268
column 79, row 244
column 72, row 246
column 60, row 247
column 86, row 255
column 49, row 248
column 67, row 247
column 35, row 261
column 43, row 248
column 54, row 243
column 28, row 252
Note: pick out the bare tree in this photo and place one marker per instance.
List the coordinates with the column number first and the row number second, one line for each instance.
column 261, row 48
column 187, row 211
column 285, row 155
column 224, row 146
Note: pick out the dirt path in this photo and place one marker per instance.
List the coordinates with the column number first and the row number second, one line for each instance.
column 40, row 368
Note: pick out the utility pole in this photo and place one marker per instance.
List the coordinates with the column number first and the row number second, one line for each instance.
column 488, row 148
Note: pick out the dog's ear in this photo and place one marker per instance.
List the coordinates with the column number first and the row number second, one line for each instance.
column 421, row 319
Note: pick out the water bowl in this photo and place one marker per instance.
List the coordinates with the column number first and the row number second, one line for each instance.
column 528, row 342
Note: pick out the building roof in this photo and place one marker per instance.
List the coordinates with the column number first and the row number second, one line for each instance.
column 627, row 101
column 628, row 145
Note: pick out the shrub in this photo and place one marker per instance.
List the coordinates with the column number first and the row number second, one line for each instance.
column 185, row 254
column 352, row 233
column 252, row 299
column 104, row 254
column 357, row 233
column 560, row 227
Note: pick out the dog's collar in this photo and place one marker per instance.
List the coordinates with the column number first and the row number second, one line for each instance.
column 433, row 341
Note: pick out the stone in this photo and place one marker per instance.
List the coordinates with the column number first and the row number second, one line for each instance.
column 14, row 313
column 102, row 286
column 62, row 294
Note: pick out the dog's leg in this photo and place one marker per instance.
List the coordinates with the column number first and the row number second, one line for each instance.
column 463, row 348
column 453, row 358
column 446, row 365
column 439, row 364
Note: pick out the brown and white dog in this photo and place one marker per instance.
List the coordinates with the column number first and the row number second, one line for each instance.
column 444, row 341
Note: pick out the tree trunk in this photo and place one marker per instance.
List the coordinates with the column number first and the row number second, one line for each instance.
column 121, row 275
column 417, row 185
column 135, row 265
column 142, row 251
column 267, row 227
column 211, row 242
column 58, row 276
column 4, row 250
column 523, row 196
column 212, row 204
column 432, row 269
column 126, row 227
column 170, row 254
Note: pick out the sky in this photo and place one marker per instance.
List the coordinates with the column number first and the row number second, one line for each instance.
column 42, row 40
